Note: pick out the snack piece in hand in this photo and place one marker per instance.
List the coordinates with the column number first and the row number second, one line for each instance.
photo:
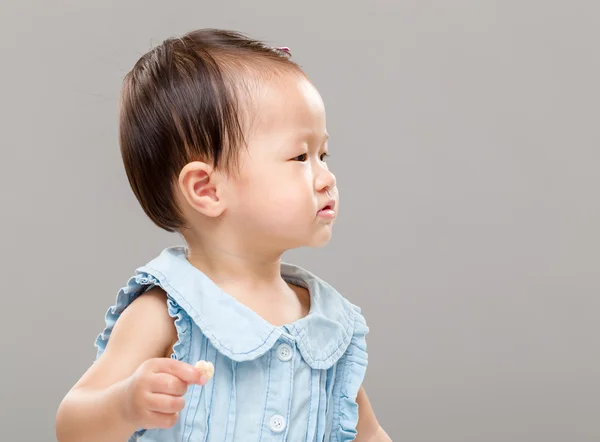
column 207, row 368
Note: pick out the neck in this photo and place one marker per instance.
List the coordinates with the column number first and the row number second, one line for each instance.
column 236, row 268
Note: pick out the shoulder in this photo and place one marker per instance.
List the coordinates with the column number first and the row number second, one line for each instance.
column 322, row 294
column 332, row 300
column 146, row 320
column 139, row 321
column 148, row 310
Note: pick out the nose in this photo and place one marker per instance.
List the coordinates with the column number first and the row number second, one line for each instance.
column 325, row 180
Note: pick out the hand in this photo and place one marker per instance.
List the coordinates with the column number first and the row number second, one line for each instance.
column 154, row 392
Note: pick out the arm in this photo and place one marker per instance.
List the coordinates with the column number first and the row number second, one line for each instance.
column 94, row 410
column 368, row 427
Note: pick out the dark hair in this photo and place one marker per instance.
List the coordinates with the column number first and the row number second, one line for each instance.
column 182, row 102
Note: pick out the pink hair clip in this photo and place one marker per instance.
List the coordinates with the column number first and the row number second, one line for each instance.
column 285, row 49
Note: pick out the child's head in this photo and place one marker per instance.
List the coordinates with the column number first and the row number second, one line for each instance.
column 225, row 137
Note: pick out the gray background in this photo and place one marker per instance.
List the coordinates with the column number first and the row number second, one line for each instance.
column 465, row 139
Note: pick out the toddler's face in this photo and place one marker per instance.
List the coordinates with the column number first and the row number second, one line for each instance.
column 285, row 194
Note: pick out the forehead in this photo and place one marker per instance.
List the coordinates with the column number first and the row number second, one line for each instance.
column 289, row 106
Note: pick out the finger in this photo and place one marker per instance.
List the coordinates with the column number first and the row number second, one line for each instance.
column 165, row 403
column 163, row 420
column 168, row 384
column 186, row 372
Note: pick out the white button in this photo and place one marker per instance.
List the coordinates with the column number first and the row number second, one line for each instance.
column 284, row 352
column 277, row 423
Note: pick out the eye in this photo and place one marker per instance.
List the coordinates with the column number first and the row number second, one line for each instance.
column 324, row 156
column 302, row 157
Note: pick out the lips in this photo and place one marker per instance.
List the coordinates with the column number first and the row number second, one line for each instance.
column 327, row 211
column 329, row 206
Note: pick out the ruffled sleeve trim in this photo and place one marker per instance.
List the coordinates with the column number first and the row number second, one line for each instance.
column 353, row 373
column 181, row 349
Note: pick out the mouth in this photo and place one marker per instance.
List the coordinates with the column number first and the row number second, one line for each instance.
column 329, row 206
column 328, row 210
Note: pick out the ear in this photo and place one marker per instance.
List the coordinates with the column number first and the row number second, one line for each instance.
column 200, row 185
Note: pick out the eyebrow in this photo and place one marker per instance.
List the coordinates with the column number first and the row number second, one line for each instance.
column 308, row 135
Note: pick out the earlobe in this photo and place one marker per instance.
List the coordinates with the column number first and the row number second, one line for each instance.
column 199, row 185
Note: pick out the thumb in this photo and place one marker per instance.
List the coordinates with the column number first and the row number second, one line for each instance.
column 181, row 370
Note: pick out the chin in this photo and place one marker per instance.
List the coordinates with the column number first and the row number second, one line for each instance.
column 318, row 245
column 321, row 239
column 314, row 239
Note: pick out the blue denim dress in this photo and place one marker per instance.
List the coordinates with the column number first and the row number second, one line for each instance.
column 295, row 383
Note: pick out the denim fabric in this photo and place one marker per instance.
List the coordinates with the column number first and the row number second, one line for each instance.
column 296, row 383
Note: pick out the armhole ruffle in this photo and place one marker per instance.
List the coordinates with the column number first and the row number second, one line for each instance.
column 181, row 349
column 354, row 370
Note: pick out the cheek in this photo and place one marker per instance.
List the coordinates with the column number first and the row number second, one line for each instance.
column 283, row 184
column 275, row 195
